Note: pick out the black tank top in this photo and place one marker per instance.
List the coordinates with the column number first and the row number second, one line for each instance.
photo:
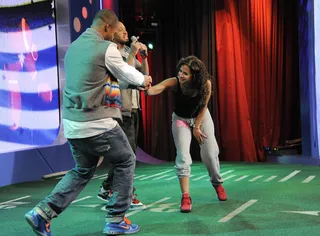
column 185, row 106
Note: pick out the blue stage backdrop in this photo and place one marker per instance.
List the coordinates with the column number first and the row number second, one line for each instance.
column 81, row 13
column 308, row 82
column 317, row 68
column 29, row 91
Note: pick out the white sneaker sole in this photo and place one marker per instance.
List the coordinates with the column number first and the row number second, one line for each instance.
column 139, row 207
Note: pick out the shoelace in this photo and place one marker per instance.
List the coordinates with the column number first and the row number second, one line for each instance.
column 219, row 189
column 186, row 200
column 134, row 199
column 48, row 227
column 127, row 221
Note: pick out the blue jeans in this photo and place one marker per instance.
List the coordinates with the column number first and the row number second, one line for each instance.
column 130, row 126
column 114, row 146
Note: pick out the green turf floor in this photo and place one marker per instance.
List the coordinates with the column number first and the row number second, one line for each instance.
column 263, row 199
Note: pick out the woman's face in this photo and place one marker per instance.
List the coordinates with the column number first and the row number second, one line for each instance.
column 184, row 74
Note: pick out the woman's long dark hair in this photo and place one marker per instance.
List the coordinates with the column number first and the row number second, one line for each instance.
column 200, row 76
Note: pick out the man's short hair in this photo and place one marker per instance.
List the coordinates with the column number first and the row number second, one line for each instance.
column 105, row 16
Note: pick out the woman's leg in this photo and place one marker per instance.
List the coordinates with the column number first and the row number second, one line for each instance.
column 210, row 155
column 182, row 138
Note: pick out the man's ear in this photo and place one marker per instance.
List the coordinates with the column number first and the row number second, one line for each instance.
column 106, row 28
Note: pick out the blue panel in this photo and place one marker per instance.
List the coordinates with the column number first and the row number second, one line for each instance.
column 31, row 165
column 317, row 69
column 59, row 158
column 307, row 80
column 22, row 166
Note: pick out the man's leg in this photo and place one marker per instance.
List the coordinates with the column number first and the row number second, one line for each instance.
column 122, row 157
column 130, row 126
column 105, row 191
column 136, row 121
column 115, row 147
column 127, row 127
column 65, row 191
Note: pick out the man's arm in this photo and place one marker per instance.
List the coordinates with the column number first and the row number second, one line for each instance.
column 131, row 59
column 145, row 65
column 124, row 73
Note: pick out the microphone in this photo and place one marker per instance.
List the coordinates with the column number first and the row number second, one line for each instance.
column 143, row 53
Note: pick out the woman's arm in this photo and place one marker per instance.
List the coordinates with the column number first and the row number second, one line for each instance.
column 196, row 130
column 159, row 88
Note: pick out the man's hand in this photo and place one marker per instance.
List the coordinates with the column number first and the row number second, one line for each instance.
column 147, row 81
column 143, row 50
column 135, row 47
column 143, row 89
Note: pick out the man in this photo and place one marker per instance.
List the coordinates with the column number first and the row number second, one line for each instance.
column 91, row 97
column 130, row 109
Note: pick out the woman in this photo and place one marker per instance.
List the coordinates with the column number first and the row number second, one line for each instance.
column 192, row 89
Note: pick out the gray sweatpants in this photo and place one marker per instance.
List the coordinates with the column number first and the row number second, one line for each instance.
column 182, row 134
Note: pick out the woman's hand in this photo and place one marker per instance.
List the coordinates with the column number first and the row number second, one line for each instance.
column 197, row 133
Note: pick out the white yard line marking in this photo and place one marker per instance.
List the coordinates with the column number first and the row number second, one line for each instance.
column 81, row 199
column 104, row 177
column 255, row 178
column 271, row 178
column 140, row 176
column 17, row 199
column 151, row 176
column 237, row 211
column 201, row 177
column 227, row 172
column 99, row 176
column 289, row 176
column 160, row 177
column 241, row 178
column 307, row 180
column 148, row 206
column 311, row 213
column 91, row 206
column 224, row 179
column 171, row 177
column 228, row 177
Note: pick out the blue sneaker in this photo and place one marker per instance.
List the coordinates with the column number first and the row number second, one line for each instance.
column 124, row 227
column 38, row 224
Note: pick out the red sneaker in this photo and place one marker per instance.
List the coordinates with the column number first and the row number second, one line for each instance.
column 186, row 203
column 222, row 195
column 136, row 204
